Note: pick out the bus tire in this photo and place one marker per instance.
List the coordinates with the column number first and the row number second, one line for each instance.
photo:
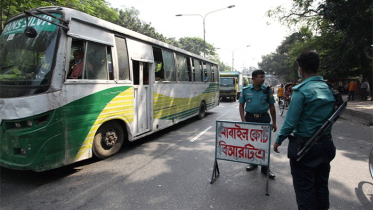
column 108, row 140
column 202, row 110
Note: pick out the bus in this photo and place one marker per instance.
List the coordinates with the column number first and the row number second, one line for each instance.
column 231, row 83
column 128, row 86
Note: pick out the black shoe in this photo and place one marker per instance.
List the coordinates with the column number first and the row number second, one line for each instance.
column 271, row 175
column 251, row 167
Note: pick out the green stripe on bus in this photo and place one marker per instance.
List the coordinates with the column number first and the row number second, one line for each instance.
column 56, row 143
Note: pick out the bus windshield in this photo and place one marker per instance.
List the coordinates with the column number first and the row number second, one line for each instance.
column 26, row 63
column 226, row 81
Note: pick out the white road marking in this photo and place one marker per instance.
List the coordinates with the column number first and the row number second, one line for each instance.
column 200, row 134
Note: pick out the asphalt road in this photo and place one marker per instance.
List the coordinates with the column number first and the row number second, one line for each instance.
column 172, row 170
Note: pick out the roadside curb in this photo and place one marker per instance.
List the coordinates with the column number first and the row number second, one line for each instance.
column 357, row 116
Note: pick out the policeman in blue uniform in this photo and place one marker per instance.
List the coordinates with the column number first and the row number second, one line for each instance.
column 258, row 100
column 311, row 105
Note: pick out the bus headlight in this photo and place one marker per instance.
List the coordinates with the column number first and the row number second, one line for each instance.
column 31, row 122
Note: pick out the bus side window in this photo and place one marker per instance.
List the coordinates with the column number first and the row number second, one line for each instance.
column 198, row 70
column 158, row 64
column 212, row 73
column 76, row 61
column 181, row 68
column 169, row 66
column 123, row 64
column 193, row 70
column 189, row 69
column 205, row 76
column 208, row 71
column 110, row 63
column 216, row 72
column 96, row 66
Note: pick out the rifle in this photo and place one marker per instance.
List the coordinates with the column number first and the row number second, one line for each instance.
column 320, row 132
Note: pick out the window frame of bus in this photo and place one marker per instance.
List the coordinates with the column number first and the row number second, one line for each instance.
column 197, row 70
column 84, row 47
column 124, row 72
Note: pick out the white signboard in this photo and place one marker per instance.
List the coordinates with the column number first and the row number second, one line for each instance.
column 243, row 142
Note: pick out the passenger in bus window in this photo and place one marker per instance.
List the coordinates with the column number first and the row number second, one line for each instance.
column 159, row 72
column 76, row 65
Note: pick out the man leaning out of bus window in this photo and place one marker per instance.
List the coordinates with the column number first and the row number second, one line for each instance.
column 76, row 65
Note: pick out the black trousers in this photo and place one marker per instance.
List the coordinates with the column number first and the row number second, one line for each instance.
column 263, row 119
column 311, row 176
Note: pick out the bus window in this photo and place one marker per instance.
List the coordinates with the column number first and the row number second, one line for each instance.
column 181, row 68
column 76, row 60
column 124, row 69
column 96, row 66
column 209, row 73
column 189, row 69
column 205, row 77
column 110, row 63
column 193, row 70
column 212, row 73
column 158, row 64
column 169, row 66
column 198, row 70
column 145, row 70
column 216, row 72
column 136, row 76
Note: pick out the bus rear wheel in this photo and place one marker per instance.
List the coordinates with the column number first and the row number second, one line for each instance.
column 108, row 140
column 202, row 110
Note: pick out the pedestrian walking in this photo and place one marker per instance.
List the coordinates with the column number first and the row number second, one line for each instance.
column 258, row 99
column 312, row 104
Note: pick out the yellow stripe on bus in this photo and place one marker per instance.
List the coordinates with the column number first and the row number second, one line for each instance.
column 120, row 106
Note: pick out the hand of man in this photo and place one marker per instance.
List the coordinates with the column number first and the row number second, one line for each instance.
column 275, row 147
column 274, row 127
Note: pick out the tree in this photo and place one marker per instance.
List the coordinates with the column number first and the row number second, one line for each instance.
column 196, row 45
column 224, row 67
column 127, row 18
column 97, row 8
column 344, row 33
column 282, row 62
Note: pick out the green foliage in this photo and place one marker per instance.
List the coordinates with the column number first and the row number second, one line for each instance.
column 127, row 18
column 281, row 62
column 192, row 44
column 343, row 35
column 223, row 67
column 97, row 8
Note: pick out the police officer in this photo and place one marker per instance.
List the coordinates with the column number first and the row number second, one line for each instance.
column 258, row 100
column 311, row 105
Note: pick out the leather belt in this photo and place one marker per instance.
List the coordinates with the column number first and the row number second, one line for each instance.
column 256, row 115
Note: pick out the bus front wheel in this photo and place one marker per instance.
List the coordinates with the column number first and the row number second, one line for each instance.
column 108, row 140
column 202, row 110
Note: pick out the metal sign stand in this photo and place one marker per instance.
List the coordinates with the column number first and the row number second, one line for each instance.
column 215, row 172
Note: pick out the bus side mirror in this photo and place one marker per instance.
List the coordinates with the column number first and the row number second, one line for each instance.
column 30, row 32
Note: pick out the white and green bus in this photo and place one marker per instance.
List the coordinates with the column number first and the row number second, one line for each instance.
column 129, row 86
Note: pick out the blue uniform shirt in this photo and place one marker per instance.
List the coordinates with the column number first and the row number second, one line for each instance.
column 312, row 103
column 257, row 102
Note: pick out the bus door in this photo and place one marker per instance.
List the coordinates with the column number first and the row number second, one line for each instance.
column 142, row 96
